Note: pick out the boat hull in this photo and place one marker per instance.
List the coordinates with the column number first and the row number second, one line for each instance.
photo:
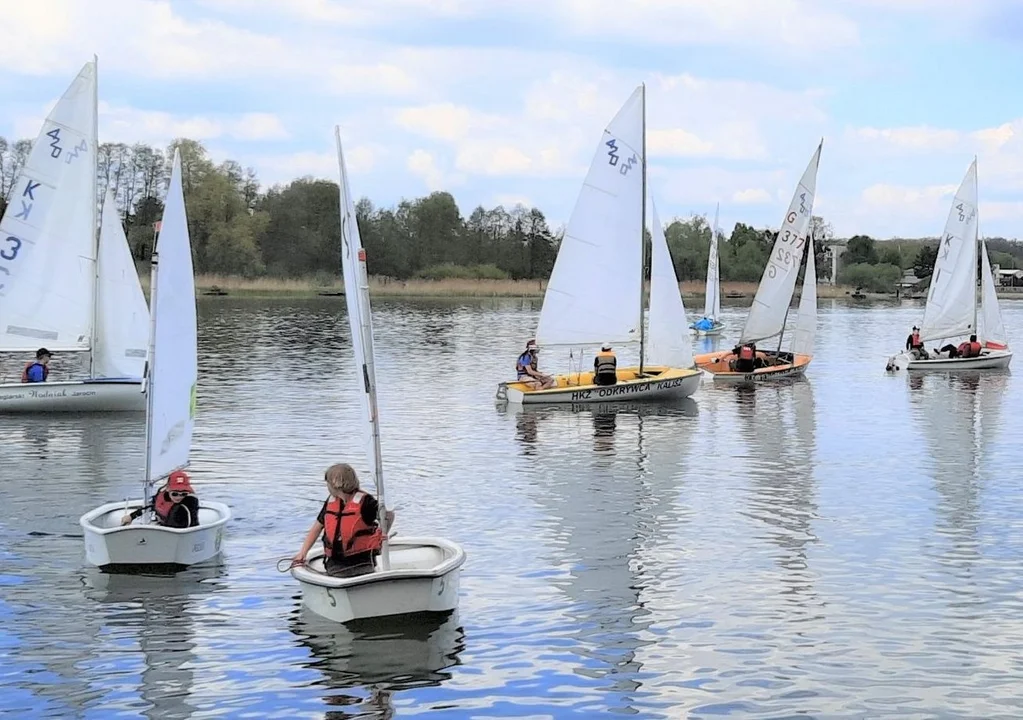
column 988, row 360
column 658, row 383
column 715, row 365
column 112, row 547
column 78, row 396
column 716, row 329
column 423, row 578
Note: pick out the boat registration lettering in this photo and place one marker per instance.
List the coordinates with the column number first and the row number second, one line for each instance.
column 581, row 394
column 198, row 547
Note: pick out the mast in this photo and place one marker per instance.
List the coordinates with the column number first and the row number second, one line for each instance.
column 95, row 215
column 976, row 250
column 147, row 485
column 642, row 247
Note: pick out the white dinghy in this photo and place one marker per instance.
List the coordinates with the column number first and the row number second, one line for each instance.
column 58, row 287
column 414, row 574
column 952, row 307
column 170, row 417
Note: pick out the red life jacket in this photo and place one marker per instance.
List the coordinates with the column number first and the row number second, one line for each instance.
column 914, row 341
column 746, row 352
column 964, row 349
column 162, row 505
column 344, row 529
column 974, row 349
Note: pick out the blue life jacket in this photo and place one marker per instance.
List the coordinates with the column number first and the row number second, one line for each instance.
column 525, row 360
column 36, row 373
column 704, row 324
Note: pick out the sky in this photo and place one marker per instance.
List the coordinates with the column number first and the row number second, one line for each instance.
column 504, row 101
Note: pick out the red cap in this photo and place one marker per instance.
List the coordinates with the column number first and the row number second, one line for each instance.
column 178, row 480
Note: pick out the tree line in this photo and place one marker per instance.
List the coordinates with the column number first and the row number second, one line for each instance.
column 238, row 227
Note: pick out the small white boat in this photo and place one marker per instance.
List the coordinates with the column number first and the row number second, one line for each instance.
column 595, row 293
column 412, row 575
column 170, row 417
column 712, row 301
column 770, row 311
column 60, row 287
column 952, row 308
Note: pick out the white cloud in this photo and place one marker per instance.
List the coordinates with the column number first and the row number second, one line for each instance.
column 424, row 165
column 751, row 196
column 911, row 138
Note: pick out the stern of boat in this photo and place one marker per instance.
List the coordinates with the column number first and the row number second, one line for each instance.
column 113, row 547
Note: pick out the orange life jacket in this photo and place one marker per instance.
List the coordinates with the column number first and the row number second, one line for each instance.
column 974, row 349
column 162, row 504
column 746, row 352
column 914, row 341
column 345, row 530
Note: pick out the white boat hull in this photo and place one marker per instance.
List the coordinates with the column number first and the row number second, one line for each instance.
column 423, row 578
column 111, row 546
column 988, row 360
column 73, row 396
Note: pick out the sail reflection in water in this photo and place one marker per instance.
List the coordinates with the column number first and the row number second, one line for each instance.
column 606, row 514
column 377, row 659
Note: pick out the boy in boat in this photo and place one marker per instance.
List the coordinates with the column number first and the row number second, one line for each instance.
column 915, row 345
column 525, row 369
column 38, row 371
column 348, row 525
column 174, row 504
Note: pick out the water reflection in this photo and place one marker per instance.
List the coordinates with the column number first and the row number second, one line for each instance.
column 161, row 614
column 378, row 658
column 778, row 426
column 608, row 513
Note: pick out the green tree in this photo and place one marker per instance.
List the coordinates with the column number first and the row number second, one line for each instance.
column 923, row 265
column 860, row 249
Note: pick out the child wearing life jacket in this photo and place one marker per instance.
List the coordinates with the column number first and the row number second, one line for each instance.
column 38, row 371
column 348, row 525
column 175, row 504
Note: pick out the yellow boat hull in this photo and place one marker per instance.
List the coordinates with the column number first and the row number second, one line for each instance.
column 717, row 366
column 656, row 383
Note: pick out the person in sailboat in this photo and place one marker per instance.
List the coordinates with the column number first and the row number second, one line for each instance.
column 703, row 324
column 175, row 504
column 745, row 358
column 915, row 345
column 348, row 525
column 605, row 366
column 525, row 368
column 39, row 370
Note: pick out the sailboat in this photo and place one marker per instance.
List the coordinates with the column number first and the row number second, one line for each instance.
column 170, row 417
column 595, row 293
column 952, row 307
column 768, row 315
column 709, row 324
column 413, row 574
column 59, row 288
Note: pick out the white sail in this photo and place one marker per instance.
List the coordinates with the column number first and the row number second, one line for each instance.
column 594, row 294
column 667, row 341
column 806, row 321
column 173, row 366
column 48, row 233
column 951, row 309
column 360, row 320
column 122, row 316
column 991, row 328
column 767, row 316
column 712, row 303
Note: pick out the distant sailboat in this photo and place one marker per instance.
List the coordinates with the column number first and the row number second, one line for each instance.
column 769, row 313
column 595, row 294
column 58, row 287
column 709, row 324
column 952, row 306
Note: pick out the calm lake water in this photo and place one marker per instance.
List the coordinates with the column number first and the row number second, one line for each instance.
column 850, row 545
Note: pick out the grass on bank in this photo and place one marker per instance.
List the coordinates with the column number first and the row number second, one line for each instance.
column 268, row 287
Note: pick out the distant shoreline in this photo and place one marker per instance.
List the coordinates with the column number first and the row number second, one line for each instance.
column 266, row 287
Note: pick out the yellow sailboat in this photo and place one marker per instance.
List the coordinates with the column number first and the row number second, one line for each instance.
column 595, row 294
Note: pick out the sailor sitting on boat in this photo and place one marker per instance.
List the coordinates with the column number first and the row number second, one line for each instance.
column 703, row 324
column 352, row 538
column 174, row 504
column 38, row 371
column 968, row 349
column 525, row 367
column 605, row 366
column 915, row 345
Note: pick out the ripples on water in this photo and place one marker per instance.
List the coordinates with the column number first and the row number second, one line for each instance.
column 843, row 546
